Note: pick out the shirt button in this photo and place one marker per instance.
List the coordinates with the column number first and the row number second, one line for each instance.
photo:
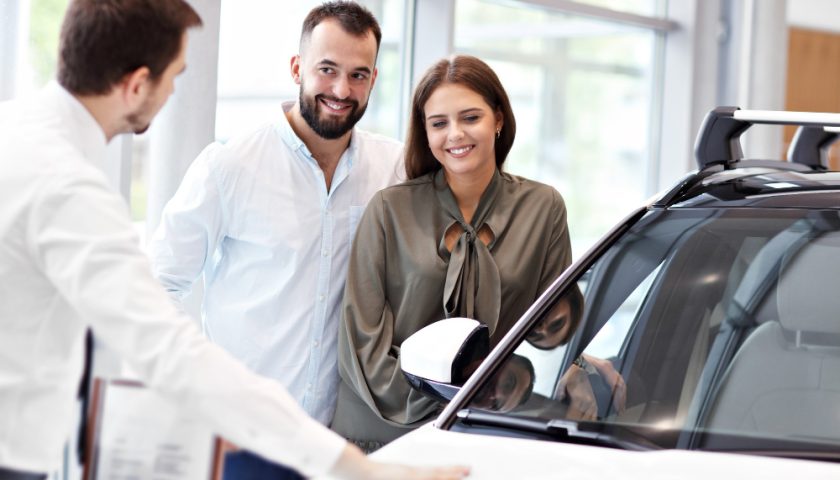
column 321, row 298
column 315, row 343
column 325, row 253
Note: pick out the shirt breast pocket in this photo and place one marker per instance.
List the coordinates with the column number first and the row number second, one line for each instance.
column 354, row 215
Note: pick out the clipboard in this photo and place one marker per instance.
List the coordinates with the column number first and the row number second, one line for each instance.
column 134, row 433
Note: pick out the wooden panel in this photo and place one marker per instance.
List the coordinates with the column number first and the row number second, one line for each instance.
column 813, row 77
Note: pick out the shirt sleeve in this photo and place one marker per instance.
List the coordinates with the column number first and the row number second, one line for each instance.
column 559, row 253
column 192, row 225
column 81, row 238
column 368, row 359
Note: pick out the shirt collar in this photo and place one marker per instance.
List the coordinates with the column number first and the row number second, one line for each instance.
column 295, row 143
column 286, row 133
column 83, row 130
column 486, row 205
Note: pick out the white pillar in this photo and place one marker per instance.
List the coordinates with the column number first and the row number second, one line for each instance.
column 688, row 85
column 14, row 28
column 755, row 68
column 188, row 121
column 766, row 75
column 429, row 36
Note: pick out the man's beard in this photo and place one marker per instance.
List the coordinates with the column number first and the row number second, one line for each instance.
column 310, row 109
column 142, row 129
column 135, row 120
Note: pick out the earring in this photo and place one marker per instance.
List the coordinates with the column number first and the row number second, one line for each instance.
column 498, row 133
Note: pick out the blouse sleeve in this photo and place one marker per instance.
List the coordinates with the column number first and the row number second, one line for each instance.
column 368, row 359
column 559, row 254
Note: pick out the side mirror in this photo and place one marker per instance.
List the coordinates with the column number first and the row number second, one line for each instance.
column 438, row 358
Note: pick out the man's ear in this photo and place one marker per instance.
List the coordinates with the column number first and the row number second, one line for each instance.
column 294, row 65
column 373, row 78
column 135, row 87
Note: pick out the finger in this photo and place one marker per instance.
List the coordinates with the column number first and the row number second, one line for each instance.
column 573, row 413
column 591, row 413
column 438, row 473
column 620, row 396
column 588, row 408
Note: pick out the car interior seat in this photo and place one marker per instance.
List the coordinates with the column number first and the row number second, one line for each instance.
column 785, row 378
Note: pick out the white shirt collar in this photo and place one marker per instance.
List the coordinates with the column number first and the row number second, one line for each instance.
column 294, row 142
column 83, row 130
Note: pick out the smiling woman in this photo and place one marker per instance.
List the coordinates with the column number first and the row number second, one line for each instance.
column 461, row 129
column 461, row 238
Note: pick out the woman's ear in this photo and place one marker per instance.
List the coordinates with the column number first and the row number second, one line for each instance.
column 500, row 120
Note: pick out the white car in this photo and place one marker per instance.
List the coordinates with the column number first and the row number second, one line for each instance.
column 699, row 339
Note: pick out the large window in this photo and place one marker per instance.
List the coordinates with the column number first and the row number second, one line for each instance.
column 583, row 91
column 639, row 7
column 29, row 44
column 585, row 85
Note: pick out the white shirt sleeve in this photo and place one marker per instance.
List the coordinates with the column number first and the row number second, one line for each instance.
column 192, row 225
column 82, row 238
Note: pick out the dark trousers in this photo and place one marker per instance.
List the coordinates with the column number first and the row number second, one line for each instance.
column 9, row 474
column 244, row 465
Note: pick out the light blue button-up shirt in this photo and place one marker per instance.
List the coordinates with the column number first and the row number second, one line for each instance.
column 255, row 218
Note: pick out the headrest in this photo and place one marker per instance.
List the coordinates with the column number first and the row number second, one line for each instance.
column 808, row 293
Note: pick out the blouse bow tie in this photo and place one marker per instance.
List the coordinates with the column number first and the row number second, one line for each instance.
column 472, row 288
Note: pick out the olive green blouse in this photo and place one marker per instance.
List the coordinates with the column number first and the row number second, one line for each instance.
column 402, row 277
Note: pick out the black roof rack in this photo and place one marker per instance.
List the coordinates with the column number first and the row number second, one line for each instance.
column 719, row 140
column 810, row 146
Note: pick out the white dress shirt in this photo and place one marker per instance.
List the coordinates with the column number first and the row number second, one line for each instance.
column 69, row 259
column 255, row 217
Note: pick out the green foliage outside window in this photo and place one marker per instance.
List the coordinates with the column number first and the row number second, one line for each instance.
column 44, row 29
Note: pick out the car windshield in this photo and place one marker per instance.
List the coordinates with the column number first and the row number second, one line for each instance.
column 712, row 329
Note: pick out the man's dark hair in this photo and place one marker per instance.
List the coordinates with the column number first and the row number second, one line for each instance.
column 353, row 18
column 103, row 40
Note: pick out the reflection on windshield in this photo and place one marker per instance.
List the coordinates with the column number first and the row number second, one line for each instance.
column 509, row 388
column 708, row 324
column 558, row 324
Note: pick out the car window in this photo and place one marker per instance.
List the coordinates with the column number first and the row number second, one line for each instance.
column 612, row 336
column 712, row 329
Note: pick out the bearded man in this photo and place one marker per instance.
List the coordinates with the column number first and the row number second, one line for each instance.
column 268, row 217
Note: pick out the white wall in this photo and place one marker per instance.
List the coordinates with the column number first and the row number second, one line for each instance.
column 814, row 14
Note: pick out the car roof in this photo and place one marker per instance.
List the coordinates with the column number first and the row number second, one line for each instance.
column 725, row 179
column 757, row 184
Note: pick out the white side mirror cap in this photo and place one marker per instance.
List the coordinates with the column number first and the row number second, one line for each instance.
column 442, row 350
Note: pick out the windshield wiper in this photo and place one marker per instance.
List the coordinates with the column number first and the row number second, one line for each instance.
column 562, row 430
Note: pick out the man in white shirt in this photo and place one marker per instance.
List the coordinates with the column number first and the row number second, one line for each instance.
column 268, row 217
column 69, row 260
